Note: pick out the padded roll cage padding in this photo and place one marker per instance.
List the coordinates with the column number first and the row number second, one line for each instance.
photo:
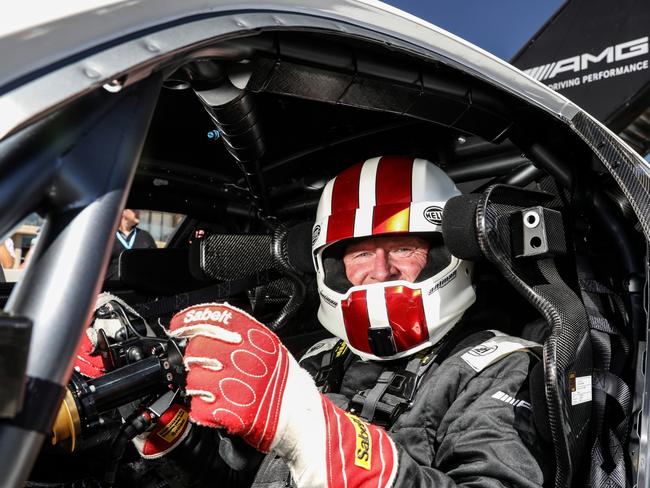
column 567, row 351
column 235, row 256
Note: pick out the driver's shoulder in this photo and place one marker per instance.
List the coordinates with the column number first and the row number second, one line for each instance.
column 325, row 350
column 490, row 355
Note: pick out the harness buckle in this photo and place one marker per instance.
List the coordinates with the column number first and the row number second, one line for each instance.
column 398, row 387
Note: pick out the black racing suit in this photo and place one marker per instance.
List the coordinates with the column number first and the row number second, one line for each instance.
column 463, row 429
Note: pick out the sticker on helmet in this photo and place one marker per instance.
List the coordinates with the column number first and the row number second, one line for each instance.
column 328, row 300
column 433, row 214
column 315, row 233
column 443, row 282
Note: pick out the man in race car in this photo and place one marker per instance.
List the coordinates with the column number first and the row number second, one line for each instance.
column 404, row 394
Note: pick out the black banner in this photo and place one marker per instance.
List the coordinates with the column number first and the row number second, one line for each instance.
column 595, row 52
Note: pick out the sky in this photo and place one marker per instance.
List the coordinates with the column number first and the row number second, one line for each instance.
column 498, row 26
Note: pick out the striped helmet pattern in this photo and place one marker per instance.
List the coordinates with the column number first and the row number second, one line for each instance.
column 387, row 195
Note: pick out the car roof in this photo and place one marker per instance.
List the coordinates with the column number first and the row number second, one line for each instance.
column 91, row 43
column 126, row 41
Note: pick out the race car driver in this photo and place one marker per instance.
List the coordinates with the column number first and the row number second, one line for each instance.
column 405, row 394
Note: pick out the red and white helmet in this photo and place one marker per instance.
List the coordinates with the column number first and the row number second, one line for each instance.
column 393, row 319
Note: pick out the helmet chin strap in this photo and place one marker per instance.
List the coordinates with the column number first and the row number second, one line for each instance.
column 382, row 341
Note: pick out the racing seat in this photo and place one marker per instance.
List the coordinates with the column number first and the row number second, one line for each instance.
column 514, row 231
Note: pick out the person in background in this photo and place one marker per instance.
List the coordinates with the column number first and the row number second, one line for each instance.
column 7, row 254
column 30, row 251
column 128, row 236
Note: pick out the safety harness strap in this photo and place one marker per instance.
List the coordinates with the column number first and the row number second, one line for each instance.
column 333, row 363
column 395, row 389
column 607, row 456
column 375, row 393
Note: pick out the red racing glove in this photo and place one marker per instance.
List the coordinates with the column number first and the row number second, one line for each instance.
column 241, row 378
column 88, row 361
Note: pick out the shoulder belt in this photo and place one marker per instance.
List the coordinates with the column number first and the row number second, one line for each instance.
column 335, row 356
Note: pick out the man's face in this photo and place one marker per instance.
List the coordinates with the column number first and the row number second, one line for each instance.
column 385, row 258
column 130, row 218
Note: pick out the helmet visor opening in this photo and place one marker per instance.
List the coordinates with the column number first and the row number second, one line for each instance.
column 333, row 268
column 438, row 257
column 334, row 273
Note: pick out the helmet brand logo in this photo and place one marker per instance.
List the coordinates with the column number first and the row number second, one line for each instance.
column 433, row 214
column 445, row 281
column 328, row 300
column 483, row 350
column 314, row 234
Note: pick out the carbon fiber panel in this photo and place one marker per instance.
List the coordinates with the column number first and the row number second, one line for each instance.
column 631, row 172
column 567, row 352
column 235, row 256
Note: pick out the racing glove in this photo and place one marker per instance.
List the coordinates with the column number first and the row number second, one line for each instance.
column 88, row 361
column 242, row 379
